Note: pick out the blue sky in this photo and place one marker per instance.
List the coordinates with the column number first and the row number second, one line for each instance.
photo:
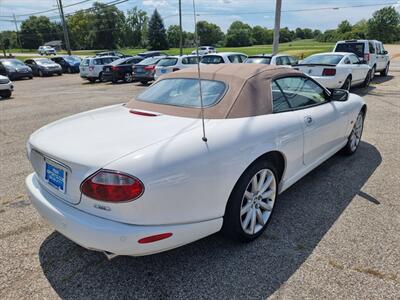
column 221, row 12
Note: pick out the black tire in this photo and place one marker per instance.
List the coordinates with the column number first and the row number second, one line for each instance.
column 349, row 148
column 40, row 73
column 101, row 78
column 373, row 71
column 347, row 84
column 92, row 80
column 232, row 226
column 5, row 94
column 144, row 82
column 30, row 77
column 385, row 72
column 367, row 80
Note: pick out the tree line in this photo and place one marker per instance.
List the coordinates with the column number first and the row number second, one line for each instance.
column 106, row 27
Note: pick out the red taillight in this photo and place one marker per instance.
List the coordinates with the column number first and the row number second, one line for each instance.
column 175, row 69
column 155, row 238
column 112, row 186
column 115, row 68
column 366, row 56
column 329, row 72
column 149, row 68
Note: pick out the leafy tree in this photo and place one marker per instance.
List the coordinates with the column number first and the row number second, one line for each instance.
column 299, row 33
column 308, row 33
column 384, row 25
column 261, row 35
column 35, row 31
column 286, row 35
column 173, row 35
column 107, row 26
column 137, row 22
column 316, row 33
column 9, row 37
column 79, row 26
column 344, row 27
column 238, row 35
column 157, row 35
column 209, row 33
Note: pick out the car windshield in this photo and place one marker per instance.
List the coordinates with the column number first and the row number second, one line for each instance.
column 258, row 60
column 119, row 61
column 167, row 62
column 356, row 48
column 44, row 61
column 72, row 58
column 12, row 63
column 323, row 59
column 183, row 92
column 149, row 61
column 212, row 59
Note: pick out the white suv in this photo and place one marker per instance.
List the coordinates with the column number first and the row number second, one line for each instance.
column 371, row 51
column 47, row 50
column 174, row 63
column 203, row 50
column 91, row 68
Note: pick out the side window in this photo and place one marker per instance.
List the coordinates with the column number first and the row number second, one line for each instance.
column 234, row 59
column 371, row 48
column 354, row 59
column 242, row 58
column 185, row 61
column 285, row 60
column 97, row 62
column 279, row 61
column 292, row 60
column 279, row 102
column 346, row 61
column 301, row 92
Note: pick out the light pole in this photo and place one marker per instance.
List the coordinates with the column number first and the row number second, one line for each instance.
column 64, row 25
column 277, row 26
column 180, row 29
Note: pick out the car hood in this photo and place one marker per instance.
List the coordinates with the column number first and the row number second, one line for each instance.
column 98, row 137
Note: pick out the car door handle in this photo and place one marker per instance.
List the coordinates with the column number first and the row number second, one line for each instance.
column 308, row 120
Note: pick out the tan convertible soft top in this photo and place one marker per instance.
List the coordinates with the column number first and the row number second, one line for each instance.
column 248, row 91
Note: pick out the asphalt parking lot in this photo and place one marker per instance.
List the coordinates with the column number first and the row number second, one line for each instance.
column 335, row 234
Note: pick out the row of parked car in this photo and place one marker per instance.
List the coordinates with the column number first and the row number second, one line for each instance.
column 352, row 62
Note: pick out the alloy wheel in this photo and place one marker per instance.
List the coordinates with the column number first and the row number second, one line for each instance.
column 258, row 201
column 128, row 77
column 355, row 136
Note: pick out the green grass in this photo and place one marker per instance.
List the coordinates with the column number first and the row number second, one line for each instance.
column 300, row 49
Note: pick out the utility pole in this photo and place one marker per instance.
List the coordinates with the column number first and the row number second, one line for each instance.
column 64, row 25
column 277, row 26
column 17, row 31
column 180, row 29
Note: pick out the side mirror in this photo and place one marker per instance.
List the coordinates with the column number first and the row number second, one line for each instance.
column 339, row 95
column 385, row 52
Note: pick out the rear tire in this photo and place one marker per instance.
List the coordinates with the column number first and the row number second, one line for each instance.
column 144, row 82
column 92, row 80
column 385, row 72
column 128, row 77
column 101, row 78
column 355, row 136
column 250, row 205
column 367, row 80
column 347, row 84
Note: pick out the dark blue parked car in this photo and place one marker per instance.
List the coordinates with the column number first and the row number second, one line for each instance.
column 68, row 63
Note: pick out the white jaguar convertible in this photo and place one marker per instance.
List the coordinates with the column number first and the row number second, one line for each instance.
column 138, row 178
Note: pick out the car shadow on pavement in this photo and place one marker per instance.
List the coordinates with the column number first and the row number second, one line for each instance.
column 362, row 91
column 215, row 266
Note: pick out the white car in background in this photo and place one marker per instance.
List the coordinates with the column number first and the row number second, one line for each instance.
column 174, row 63
column 203, row 50
column 223, row 58
column 6, row 87
column 91, row 68
column 47, row 50
column 140, row 178
column 336, row 70
column 371, row 51
column 270, row 59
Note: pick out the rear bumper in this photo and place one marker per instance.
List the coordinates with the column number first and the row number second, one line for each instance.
column 143, row 77
column 330, row 82
column 100, row 234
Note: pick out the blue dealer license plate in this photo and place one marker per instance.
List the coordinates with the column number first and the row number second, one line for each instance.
column 55, row 176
